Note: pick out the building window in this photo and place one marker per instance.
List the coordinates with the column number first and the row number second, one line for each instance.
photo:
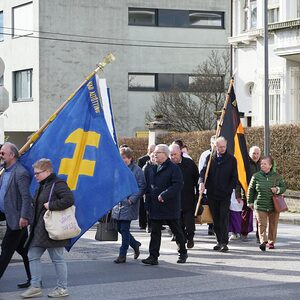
column 22, row 85
column 274, row 100
column 206, row 19
column 166, row 82
column 273, row 15
column 253, row 14
column 206, row 83
column 22, row 17
column 1, row 26
column 142, row 16
column 141, row 82
column 175, row 18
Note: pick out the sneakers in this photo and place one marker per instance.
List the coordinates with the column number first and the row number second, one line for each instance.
column 270, row 246
column 234, row 237
column 190, row 244
column 150, row 261
column 182, row 258
column 120, row 260
column 32, row 292
column 137, row 251
column 217, row 247
column 58, row 292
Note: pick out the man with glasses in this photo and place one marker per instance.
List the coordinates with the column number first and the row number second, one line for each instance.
column 163, row 201
column 15, row 204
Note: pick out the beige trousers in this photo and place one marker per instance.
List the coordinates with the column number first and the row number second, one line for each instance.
column 264, row 219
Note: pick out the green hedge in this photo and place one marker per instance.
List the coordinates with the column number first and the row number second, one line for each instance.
column 284, row 147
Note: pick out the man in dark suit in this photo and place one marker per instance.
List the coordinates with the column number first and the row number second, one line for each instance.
column 221, row 180
column 142, row 212
column 15, row 203
column 164, row 185
column 189, row 193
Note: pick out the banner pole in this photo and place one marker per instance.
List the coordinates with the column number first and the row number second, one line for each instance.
column 219, row 126
column 100, row 67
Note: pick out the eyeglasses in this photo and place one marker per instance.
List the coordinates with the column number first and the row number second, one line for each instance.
column 38, row 173
column 157, row 152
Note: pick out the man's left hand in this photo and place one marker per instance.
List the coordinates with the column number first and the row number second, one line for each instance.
column 160, row 198
column 23, row 223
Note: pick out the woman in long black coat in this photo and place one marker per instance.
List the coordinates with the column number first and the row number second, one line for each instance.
column 53, row 194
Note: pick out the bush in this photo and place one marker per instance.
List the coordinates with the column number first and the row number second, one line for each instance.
column 284, row 147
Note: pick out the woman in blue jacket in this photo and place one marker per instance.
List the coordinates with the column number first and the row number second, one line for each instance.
column 128, row 209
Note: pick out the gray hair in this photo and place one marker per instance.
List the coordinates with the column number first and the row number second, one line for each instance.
column 163, row 148
column 221, row 139
column 43, row 164
column 13, row 149
column 253, row 148
column 174, row 147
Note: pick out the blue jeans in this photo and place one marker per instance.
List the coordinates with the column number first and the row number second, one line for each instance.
column 127, row 238
column 57, row 257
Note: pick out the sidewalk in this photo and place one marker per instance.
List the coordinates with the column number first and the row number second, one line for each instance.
column 289, row 218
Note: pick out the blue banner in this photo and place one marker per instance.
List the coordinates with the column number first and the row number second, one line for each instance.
column 83, row 153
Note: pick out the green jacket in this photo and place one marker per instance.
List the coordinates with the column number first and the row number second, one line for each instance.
column 260, row 192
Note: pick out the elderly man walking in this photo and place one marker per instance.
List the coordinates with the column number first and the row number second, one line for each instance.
column 221, row 180
column 189, row 193
column 164, row 185
column 15, row 203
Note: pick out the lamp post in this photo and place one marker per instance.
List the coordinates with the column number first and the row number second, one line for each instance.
column 266, row 65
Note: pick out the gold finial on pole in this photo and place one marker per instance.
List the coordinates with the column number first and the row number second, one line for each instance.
column 100, row 67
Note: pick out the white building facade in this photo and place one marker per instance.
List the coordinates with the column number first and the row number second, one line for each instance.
column 284, row 59
column 49, row 47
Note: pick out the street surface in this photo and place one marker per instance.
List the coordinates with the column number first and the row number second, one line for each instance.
column 244, row 272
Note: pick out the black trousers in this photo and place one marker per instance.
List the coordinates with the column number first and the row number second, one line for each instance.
column 155, row 240
column 14, row 240
column 142, row 214
column 188, row 223
column 220, row 212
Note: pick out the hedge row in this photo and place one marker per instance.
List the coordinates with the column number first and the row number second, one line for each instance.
column 284, row 147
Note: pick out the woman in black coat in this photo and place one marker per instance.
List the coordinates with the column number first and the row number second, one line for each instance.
column 53, row 194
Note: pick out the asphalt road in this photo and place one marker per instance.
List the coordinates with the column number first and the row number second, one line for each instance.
column 243, row 273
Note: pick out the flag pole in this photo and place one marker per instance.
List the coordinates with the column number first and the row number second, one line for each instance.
column 219, row 127
column 100, row 67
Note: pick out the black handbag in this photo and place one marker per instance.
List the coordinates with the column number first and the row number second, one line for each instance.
column 107, row 229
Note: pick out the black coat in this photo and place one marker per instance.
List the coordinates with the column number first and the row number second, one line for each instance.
column 168, row 183
column 222, row 176
column 190, row 191
column 142, row 160
column 61, row 198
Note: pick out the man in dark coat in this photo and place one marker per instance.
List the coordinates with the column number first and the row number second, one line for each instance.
column 142, row 212
column 164, row 185
column 221, row 180
column 189, row 193
column 15, row 204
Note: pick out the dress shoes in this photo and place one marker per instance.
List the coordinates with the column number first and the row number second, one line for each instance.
column 218, row 247
column 150, row 261
column 182, row 258
column 120, row 260
column 224, row 248
column 137, row 251
column 24, row 285
column 262, row 247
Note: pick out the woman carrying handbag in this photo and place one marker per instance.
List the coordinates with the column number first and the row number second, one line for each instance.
column 263, row 185
column 52, row 194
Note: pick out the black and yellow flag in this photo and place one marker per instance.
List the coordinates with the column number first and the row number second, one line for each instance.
column 233, row 131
